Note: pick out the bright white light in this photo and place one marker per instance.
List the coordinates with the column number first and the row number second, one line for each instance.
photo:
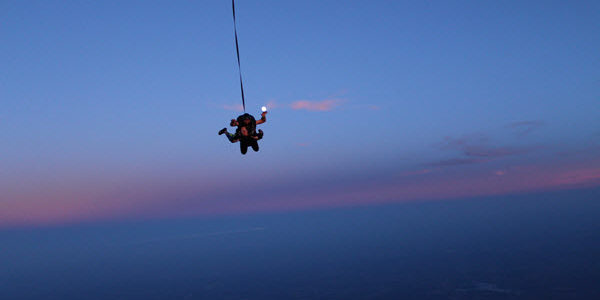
column 264, row 108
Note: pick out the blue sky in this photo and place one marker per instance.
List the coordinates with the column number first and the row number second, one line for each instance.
column 110, row 110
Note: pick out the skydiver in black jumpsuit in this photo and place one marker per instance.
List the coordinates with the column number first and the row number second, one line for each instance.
column 246, row 131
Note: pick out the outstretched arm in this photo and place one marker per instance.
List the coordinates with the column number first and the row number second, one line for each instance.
column 263, row 118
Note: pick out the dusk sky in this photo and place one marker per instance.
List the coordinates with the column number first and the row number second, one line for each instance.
column 110, row 110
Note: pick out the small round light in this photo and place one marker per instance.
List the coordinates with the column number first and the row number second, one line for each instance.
column 264, row 108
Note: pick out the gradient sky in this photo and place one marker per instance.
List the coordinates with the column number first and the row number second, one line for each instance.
column 110, row 110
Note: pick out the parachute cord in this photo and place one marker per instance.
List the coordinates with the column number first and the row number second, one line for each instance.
column 237, row 49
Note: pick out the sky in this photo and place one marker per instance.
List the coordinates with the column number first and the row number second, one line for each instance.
column 110, row 110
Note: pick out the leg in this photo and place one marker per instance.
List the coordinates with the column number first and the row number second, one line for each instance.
column 243, row 147
column 254, row 145
column 231, row 137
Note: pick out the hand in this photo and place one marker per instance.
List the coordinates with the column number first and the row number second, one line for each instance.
column 264, row 113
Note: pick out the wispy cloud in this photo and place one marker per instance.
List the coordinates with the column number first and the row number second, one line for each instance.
column 416, row 172
column 524, row 128
column 234, row 107
column 309, row 105
column 579, row 177
column 456, row 162
column 199, row 235
column 274, row 104
column 474, row 149
column 488, row 288
column 462, row 142
column 324, row 105
column 196, row 196
column 491, row 152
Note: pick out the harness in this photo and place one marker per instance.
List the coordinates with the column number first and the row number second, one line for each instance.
column 251, row 127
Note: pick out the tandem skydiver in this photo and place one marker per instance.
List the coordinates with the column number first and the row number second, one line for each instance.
column 246, row 132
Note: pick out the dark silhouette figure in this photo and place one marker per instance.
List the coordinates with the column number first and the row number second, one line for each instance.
column 246, row 132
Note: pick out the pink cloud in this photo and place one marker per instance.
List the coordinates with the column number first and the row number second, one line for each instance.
column 422, row 188
column 578, row 177
column 273, row 104
column 325, row 105
column 235, row 107
column 194, row 194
